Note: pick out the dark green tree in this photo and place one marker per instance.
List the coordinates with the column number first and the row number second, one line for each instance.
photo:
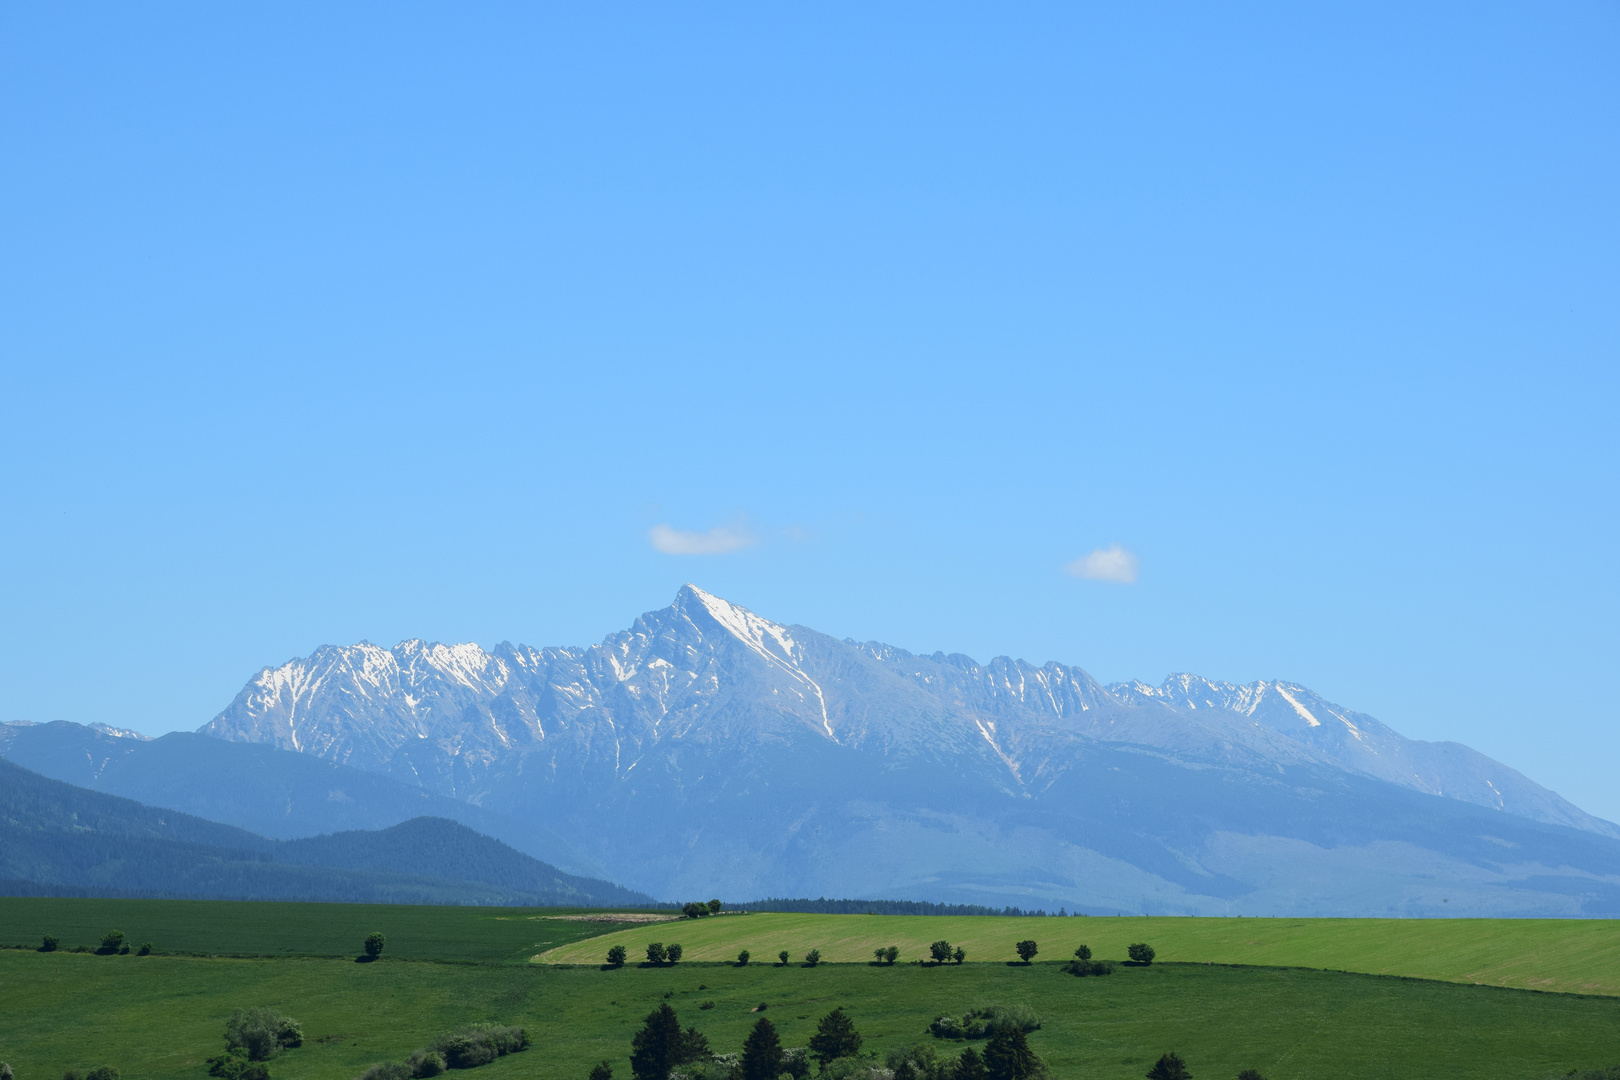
column 835, row 1038
column 959, row 955
column 1250, row 1074
column 616, row 956
column 374, row 945
column 1083, row 953
column 891, row 954
column 602, row 1071
column 1169, row 1067
column 655, row 953
column 1026, row 951
column 762, row 1052
column 694, row 911
column 672, row 953
column 813, row 957
column 50, row 943
column 656, row 1048
column 1141, row 953
column 714, row 907
column 1007, row 1056
column 234, row 1065
column 880, row 952
column 742, row 958
column 940, row 951
column 112, row 942
column 783, row 956
column 970, row 1067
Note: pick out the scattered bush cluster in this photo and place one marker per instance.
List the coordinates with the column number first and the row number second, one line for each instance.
column 942, row 953
column 982, row 1023
column 1083, row 964
column 697, row 910
column 113, row 942
column 1006, row 1056
column 887, row 955
column 252, row 1037
column 100, row 1072
column 464, row 1048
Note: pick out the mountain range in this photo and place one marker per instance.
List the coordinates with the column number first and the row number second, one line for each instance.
column 708, row 751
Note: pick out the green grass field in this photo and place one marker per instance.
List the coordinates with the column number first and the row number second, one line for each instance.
column 160, row 1017
column 1580, row 956
column 250, row 928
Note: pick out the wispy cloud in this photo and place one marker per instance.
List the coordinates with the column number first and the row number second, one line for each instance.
column 721, row 540
column 1113, row 564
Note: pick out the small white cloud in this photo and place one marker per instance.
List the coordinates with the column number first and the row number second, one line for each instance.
column 720, row 540
column 1113, row 564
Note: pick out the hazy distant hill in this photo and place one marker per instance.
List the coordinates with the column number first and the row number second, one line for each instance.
column 709, row 751
column 61, row 838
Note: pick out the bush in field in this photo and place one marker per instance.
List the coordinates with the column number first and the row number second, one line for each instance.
column 145, row 949
column 891, row 954
column 655, row 953
column 1169, row 1067
column 1026, row 951
column 796, row 1063
column 112, row 942
column 783, row 956
column 714, row 907
column 813, row 957
column 985, row 1022
column 50, row 943
column 742, row 958
column 261, row 1032
column 1089, row 967
column 616, row 956
column 425, row 1063
column 1141, row 953
column 673, row 953
column 234, row 1065
column 388, row 1070
column 479, row 1044
column 835, row 1038
column 1083, row 953
column 100, row 1072
column 959, row 955
column 1250, row 1074
column 694, row 911
column 602, row 1071
column 374, row 945
column 5, row 1072
column 940, row 951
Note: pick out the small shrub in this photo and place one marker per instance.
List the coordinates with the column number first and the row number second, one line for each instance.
column 891, row 954
column 145, row 949
column 602, row 1071
column 959, row 955
column 5, row 1072
column 234, row 1064
column 985, row 1022
column 1250, row 1074
column 1169, row 1067
column 261, row 1032
column 1083, row 953
column 783, row 956
column 479, row 1044
column 616, row 956
column 81, row 948
column 388, row 1070
column 706, row 1005
column 424, row 1063
column 374, row 945
column 111, row 943
column 1142, row 954
column 123, row 950
column 742, row 958
column 1089, row 967
column 813, row 957
column 50, row 943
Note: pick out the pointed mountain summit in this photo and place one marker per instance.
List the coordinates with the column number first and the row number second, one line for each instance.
column 707, row 748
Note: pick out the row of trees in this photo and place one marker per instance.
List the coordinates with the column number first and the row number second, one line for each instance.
column 697, row 909
column 941, row 952
column 113, row 943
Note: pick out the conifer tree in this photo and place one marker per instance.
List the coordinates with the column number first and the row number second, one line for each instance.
column 762, row 1052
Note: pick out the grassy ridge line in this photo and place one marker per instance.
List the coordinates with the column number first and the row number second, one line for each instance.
column 274, row 928
column 158, row 1018
column 1567, row 955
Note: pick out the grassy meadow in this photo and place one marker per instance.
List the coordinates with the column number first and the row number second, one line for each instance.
column 1569, row 955
column 159, row 1017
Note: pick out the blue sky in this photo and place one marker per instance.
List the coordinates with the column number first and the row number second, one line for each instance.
column 325, row 323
